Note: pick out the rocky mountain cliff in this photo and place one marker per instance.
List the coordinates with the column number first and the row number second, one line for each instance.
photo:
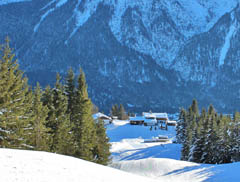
column 155, row 54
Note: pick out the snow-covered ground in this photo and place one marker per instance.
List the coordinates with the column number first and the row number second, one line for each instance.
column 170, row 170
column 160, row 160
column 32, row 166
column 148, row 162
column 128, row 142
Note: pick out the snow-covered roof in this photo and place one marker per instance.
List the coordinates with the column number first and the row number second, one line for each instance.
column 161, row 115
column 157, row 115
column 100, row 115
column 137, row 118
column 173, row 122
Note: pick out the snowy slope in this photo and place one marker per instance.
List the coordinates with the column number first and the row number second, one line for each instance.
column 173, row 170
column 24, row 166
column 128, row 142
column 145, row 163
column 154, row 28
column 160, row 161
column 197, row 16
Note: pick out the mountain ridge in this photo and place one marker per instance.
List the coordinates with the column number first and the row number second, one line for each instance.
column 165, row 53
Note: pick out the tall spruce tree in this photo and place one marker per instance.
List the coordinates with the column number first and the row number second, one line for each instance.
column 70, row 91
column 84, row 131
column 58, row 120
column 15, row 113
column 39, row 137
column 181, row 126
column 64, row 135
column 47, row 99
column 114, row 110
column 122, row 113
column 194, row 107
column 199, row 140
column 236, row 137
column 102, row 149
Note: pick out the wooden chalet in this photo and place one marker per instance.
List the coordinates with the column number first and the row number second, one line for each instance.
column 172, row 123
column 161, row 118
column 138, row 120
column 105, row 118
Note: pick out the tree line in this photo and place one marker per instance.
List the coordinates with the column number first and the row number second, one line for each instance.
column 208, row 137
column 57, row 119
column 119, row 112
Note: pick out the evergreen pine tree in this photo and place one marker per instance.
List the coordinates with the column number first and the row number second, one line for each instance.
column 70, row 91
column 62, row 136
column 181, row 126
column 194, row 107
column 84, row 131
column 211, row 138
column 14, row 105
column 194, row 136
column 236, row 137
column 114, row 110
column 122, row 113
column 39, row 137
column 187, row 144
column 47, row 99
column 225, row 147
column 102, row 149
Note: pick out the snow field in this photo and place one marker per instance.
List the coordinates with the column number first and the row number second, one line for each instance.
column 32, row 166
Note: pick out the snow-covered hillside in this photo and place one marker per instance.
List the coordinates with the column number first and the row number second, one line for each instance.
column 128, row 142
column 32, row 166
column 160, row 160
column 148, row 162
column 170, row 170
column 23, row 166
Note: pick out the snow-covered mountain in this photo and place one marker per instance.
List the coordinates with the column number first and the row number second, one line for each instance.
column 155, row 54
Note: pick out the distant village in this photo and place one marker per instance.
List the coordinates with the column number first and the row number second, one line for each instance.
column 154, row 120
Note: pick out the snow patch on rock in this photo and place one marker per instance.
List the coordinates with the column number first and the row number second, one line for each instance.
column 59, row 3
column 227, row 43
column 3, row 2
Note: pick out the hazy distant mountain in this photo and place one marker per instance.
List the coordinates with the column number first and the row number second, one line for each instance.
column 155, row 54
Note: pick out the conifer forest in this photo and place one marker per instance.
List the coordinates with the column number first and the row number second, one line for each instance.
column 54, row 119
column 208, row 137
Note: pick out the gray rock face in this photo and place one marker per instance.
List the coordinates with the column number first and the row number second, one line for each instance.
column 152, row 54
